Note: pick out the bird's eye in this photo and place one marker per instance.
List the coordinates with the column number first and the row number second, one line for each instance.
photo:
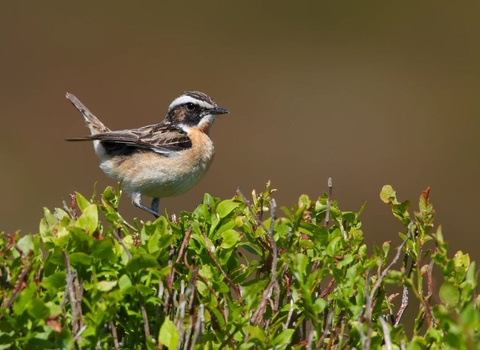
column 190, row 106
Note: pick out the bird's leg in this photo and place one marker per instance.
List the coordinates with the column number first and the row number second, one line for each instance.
column 137, row 201
column 155, row 204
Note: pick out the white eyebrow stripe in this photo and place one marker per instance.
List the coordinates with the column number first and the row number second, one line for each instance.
column 186, row 99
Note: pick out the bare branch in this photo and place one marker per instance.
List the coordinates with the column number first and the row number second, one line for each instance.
column 146, row 327
column 386, row 333
column 198, row 325
column 73, row 200
column 18, row 286
column 184, row 243
column 256, row 318
column 370, row 297
column 329, row 204
column 403, row 306
column 328, row 321
column 116, row 345
column 120, row 241
column 71, row 275
column 290, row 312
column 368, row 311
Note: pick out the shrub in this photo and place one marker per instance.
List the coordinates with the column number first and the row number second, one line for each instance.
column 233, row 274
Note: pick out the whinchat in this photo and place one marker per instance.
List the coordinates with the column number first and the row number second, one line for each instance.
column 160, row 160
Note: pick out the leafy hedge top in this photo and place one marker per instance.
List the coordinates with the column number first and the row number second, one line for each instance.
column 232, row 274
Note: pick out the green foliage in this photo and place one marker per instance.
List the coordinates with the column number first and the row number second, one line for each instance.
column 233, row 274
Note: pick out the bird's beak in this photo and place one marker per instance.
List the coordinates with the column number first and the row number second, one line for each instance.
column 218, row 110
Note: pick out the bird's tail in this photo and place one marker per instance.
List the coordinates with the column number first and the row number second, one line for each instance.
column 93, row 123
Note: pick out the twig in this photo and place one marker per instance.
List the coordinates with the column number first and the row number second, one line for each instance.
column 247, row 202
column 328, row 288
column 79, row 333
column 371, row 296
column 273, row 243
column 116, row 345
column 191, row 307
column 256, row 318
column 403, row 306
column 310, row 339
column 217, row 264
column 329, row 204
column 71, row 292
column 222, row 311
column 18, row 286
column 78, row 297
column 325, row 330
column 179, row 317
column 119, row 240
column 146, row 327
column 290, row 312
column 184, row 244
column 198, row 330
column 430, row 292
column 381, row 277
column 170, row 275
column 276, row 302
column 166, row 302
column 386, row 334
column 73, row 200
column 405, row 293
column 70, row 277
column 273, row 279
column 430, row 278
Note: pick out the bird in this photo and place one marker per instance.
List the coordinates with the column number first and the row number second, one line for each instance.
column 159, row 160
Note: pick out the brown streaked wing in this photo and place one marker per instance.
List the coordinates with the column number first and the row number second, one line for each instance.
column 163, row 138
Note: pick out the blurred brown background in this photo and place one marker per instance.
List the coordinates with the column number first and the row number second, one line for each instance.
column 368, row 94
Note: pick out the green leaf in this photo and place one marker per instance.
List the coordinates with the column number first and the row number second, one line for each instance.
column 55, row 281
column 461, row 260
column 106, row 286
column 299, row 262
column 226, row 207
column 82, row 202
column 230, row 238
column 47, row 223
column 400, row 211
column 283, row 338
column 153, row 243
column 388, row 195
column 38, row 309
column 110, row 196
column 252, row 292
column 26, row 244
column 256, row 333
column 449, row 294
column 319, row 305
column 80, row 258
column 169, row 334
column 89, row 219
column 304, row 201
column 332, row 246
column 23, row 299
column 424, row 202
column 140, row 262
column 124, row 282
column 103, row 250
column 470, row 315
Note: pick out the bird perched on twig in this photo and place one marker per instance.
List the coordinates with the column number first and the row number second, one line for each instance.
column 160, row 160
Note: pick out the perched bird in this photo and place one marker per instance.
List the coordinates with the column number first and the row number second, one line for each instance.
column 160, row 160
